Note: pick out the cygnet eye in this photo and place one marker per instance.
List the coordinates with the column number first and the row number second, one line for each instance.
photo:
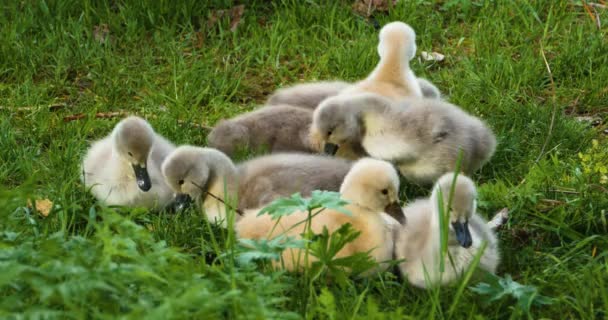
column 130, row 154
column 180, row 182
column 329, row 132
column 384, row 191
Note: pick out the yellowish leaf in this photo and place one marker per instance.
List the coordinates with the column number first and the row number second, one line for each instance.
column 42, row 206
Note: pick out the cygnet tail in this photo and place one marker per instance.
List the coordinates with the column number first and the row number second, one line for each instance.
column 396, row 48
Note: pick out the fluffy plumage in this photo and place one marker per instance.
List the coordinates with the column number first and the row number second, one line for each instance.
column 124, row 167
column 371, row 187
column 418, row 241
column 254, row 183
column 278, row 128
column 392, row 77
column 423, row 137
column 307, row 95
column 429, row 90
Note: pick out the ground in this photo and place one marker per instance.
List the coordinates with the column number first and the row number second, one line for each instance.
column 536, row 71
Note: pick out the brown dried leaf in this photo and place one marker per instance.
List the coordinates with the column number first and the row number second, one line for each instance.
column 98, row 115
column 199, row 40
column 367, row 7
column 42, row 206
column 236, row 14
column 101, row 33
column 73, row 117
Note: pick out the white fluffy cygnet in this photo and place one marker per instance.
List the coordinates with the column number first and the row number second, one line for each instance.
column 124, row 167
column 418, row 241
column 423, row 137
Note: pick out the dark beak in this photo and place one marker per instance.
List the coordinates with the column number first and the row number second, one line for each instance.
column 330, row 149
column 181, row 202
column 394, row 210
column 463, row 235
column 142, row 177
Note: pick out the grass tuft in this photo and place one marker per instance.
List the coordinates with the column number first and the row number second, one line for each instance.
column 164, row 61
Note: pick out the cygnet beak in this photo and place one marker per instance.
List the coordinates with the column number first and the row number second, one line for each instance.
column 394, row 210
column 330, row 148
column 463, row 235
column 142, row 177
column 181, row 202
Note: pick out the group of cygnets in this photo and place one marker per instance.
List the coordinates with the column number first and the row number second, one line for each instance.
column 355, row 138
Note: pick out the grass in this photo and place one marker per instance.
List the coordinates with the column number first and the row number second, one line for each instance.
column 163, row 61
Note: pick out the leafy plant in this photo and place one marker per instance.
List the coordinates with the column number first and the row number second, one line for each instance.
column 497, row 288
column 318, row 199
column 594, row 163
column 265, row 249
column 325, row 247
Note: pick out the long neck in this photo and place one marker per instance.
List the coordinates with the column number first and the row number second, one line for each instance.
column 393, row 61
column 435, row 212
column 223, row 180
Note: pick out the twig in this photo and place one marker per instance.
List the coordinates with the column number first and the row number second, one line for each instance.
column 553, row 100
column 52, row 107
column 224, row 202
column 204, row 190
column 98, row 115
column 597, row 5
column 588, row 10
column 572, row 191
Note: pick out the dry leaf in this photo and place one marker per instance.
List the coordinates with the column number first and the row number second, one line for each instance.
column 199, row 40
column 433, row 56
column 98, row 115
column 101, row 33
column 42, row 206
column 234, row 14
column 367, row 7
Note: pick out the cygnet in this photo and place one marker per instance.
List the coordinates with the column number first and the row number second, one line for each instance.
column 274, row 128
column 371, row 188
column 211, row 178
column 423, row 137
column 418, row 242
column 124, row 167
column 392, row 77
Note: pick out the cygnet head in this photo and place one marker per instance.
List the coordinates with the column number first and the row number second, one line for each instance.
column 374, row 184
column 397, row 34
column 189, row 170
column 133, row 138
column 462, row 207
column 338, row 120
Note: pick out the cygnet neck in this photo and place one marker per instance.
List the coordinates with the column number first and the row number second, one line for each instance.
column 222, row 170
column 392, row 65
